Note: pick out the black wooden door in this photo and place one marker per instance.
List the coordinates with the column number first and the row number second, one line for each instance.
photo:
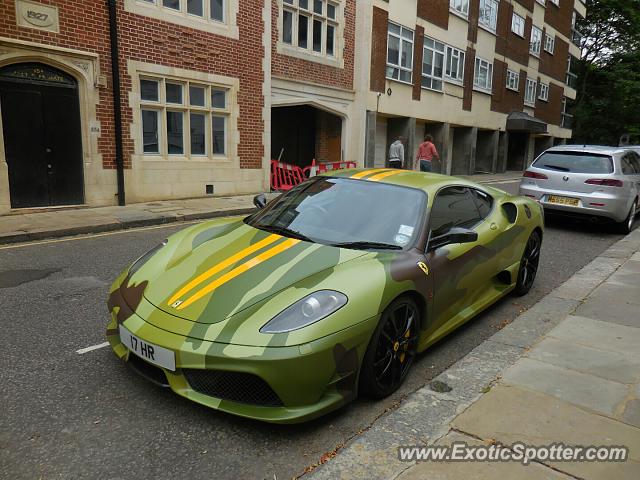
column 43, row 142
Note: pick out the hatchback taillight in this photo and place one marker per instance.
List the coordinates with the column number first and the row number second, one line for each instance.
column 530, row 174
column 605, row 182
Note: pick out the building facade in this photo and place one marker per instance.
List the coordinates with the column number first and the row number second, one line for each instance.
column 208, row 92
column 490, row 80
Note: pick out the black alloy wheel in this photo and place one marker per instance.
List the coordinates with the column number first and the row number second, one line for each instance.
column 392, row 349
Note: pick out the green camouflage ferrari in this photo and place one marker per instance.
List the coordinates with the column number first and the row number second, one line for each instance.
column 329, row 290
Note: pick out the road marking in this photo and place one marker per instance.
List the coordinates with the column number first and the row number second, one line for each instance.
column 104, row 234
column 92, row 348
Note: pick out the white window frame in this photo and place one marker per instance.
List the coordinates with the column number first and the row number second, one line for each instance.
column 487, row 66
column 459, row 7
column 535, row 42
column 555, row 2
column 513, row 80
column 437, row 50
column 517, row 24
column 488, row 15
column 549, row 43
column 162, row 106
column 542, row 2
column 296, row 10
column 453, row 54
column 543, row 92
column 530, row 90
column 402, row 38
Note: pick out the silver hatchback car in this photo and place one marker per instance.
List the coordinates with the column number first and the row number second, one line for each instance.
column 592, row 181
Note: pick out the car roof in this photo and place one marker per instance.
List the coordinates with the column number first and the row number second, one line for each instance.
column 429, row 182
column 600, row 149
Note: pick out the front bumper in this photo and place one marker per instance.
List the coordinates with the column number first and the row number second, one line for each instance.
column 607, row 205
column 309, row 380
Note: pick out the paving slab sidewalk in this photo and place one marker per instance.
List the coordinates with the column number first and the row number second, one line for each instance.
column 37, row 224
column 61, row 222
column 565, row 371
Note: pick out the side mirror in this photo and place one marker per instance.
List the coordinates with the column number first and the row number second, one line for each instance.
column 260, row 201
column 455, row 235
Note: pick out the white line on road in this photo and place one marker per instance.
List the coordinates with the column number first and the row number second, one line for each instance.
column 92, row 348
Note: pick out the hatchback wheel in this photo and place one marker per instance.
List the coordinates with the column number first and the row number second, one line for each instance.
column 528, row 265
column 392, row 349
column 627, row 224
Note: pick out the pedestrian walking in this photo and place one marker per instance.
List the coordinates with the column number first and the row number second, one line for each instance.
column 396, row 154
column 426, row 153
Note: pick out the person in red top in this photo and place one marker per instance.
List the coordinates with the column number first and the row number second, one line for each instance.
column 426, row 153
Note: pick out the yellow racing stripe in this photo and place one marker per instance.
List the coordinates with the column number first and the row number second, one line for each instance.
column 222, row 265
column 382, row 175
column 364, row 173
column 248, row 265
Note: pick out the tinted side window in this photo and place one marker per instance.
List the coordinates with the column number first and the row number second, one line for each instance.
column 484, row 202
column 627, row 166
column 634, row 160
column 453, row 207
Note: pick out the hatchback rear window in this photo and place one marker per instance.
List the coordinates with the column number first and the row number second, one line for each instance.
column 576, row 162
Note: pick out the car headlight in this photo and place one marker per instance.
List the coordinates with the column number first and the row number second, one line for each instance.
column 306, row 311
column 135, row 266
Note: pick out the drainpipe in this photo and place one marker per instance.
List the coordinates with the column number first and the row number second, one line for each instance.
column 117, row 110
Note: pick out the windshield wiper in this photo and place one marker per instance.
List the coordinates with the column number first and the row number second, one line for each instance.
column 284, row 231
column 365, row 245
column 557, row 167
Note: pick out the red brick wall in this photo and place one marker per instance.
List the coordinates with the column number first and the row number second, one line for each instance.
column 469, row 68
column 148, row 40
column 418, row 52
column 503, row 99
column 379, row 49
column 559, row 17
column 434, row 11
column 551, row 111
column 83, row 26
column 474, row 13
column 508, row 43
column 286, row 66
column 555, row 65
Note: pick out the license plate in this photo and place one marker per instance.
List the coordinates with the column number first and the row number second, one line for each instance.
column 563, row 200
column 160, row 356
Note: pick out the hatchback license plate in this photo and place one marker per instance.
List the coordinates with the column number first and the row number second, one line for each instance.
column 150, row 352
column 563, row 200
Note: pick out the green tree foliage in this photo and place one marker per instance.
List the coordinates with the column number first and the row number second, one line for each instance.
column 608, row 101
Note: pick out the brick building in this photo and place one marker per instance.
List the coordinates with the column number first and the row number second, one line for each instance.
column 200, row 81
column 488, row 79
column 212, row 90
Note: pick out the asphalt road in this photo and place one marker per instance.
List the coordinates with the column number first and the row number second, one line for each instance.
column 70, row 415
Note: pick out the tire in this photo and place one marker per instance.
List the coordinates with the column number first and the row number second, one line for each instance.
column 626, row 226
column 528, row 264
column 392, row 349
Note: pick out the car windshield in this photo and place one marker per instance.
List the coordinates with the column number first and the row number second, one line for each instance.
column 347, row 213
column 575, row 162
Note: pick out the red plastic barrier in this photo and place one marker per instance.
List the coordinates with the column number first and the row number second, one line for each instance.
column 315, row 168
column 284, row 176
